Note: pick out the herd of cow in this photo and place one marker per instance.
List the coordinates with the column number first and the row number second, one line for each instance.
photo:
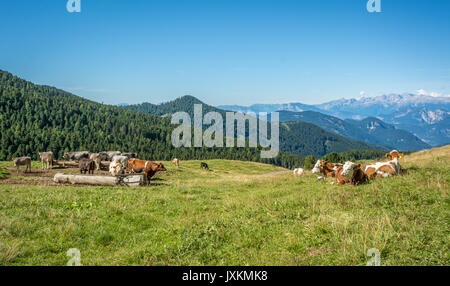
column 353, row 174
column 122, row 163
column 119, row 163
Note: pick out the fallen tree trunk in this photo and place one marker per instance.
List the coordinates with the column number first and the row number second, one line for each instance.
column 131, row 180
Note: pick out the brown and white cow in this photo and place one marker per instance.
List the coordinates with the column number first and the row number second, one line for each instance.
column 22, row 161
column 116, row 168
column 394, row 154
column 148, row 167
column 176, row 162
column 46, row 159
column 383, row 169
column 351, row 173
column 298, row 172
column 122, row 159
column 325, row 168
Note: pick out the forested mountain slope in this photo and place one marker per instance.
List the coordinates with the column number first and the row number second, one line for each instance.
column 35, row 118
column 370, row 130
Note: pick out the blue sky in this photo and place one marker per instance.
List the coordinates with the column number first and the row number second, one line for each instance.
column 228, row 51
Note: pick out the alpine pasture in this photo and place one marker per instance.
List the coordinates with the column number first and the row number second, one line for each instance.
column 235, row 213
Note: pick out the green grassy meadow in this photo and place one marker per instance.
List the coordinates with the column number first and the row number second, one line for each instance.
column 238, row 213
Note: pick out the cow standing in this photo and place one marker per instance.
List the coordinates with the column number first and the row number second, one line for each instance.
column 46, row 159
column 122, row 159
column 22, row 161
column 97, row 158
column 86, row 165
column 203, row 165
column 148, row 167
column 176, row 162
column 116, row 168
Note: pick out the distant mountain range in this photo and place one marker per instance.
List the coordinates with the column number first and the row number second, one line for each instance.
column 424, row 116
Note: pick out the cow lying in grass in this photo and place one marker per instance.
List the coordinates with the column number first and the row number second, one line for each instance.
column 325, row 168
column 22, row 161
column 383, row 169
column 351, row 173
column 298, row 172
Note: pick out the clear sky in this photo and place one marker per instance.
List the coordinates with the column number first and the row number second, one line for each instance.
column 228, row 51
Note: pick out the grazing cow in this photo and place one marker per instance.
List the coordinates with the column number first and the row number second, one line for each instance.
column 97, row 158
column 111, row 154
column 176, row 162
column 383, row 169
column 350, row 173
column 203, row 165
column 86, row 165
column 394, row 154
column 148, row 167
column 116, row 168
column 76, row 156
column 298, row 172
column 130, row 155
column 22, row 161
column 122, row 159
column 325, row 168
column 47, row 159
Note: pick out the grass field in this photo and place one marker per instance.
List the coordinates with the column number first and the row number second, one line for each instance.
column 239, row 213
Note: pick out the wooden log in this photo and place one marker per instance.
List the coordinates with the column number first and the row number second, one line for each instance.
column 130, row 180
column 86, row 179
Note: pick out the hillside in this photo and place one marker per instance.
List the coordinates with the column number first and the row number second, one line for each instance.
column 39, row 118
column 314, row 140
column 184, row 103
column 371, row 130
column 238, row 213
column 383, row 133
column 299, row 139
